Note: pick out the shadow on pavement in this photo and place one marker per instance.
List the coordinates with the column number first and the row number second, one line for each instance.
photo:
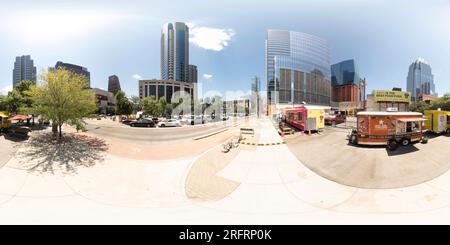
column 402, row 150
column 15, row 138
column 44, row 153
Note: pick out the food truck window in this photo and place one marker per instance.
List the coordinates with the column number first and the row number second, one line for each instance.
column 291, row 116
column 401, row 127
column 300, row 116
column 412, row 127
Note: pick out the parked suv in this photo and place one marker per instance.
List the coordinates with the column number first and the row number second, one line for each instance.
column 143, row 123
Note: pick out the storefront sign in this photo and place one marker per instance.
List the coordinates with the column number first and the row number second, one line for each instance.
column 391, row 96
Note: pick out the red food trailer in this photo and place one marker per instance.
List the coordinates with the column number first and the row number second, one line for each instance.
column 388, row 128
column 306, row 117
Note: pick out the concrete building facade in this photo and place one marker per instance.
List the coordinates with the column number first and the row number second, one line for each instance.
column 166, row 88
column 193, row 74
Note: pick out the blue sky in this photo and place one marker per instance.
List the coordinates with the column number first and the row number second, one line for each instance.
column 123, row 37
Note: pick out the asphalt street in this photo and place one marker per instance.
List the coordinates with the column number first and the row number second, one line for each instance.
column 122, row 132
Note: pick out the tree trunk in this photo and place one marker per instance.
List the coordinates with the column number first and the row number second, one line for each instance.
column 54, row 129
column 60, row 131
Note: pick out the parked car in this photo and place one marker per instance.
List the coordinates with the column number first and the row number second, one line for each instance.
column 197, row 120
column 186, row 119
column 334, row 119
column 170, row 123
column 143, row 123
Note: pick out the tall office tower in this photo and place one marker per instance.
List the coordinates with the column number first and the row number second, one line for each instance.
column 420, row 80
column 24, row 69
column 347, row 86
column 175, row 52
column 193, row 74
column 75, row 69
column 113, row 84
column 298, row 69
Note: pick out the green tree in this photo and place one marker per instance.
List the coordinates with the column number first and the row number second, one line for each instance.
column 23, row 88
column 162, row 107
column 123, row 105
column 149, row 105
column 62, row 99
column 3, row 104
column 14, row 101
column 443, row 103
column 135, row 100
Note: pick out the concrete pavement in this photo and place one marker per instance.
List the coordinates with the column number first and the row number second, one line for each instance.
column 330, row 155
column 273, row 187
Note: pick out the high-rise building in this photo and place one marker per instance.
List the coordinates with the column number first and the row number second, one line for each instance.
column 175, row 52
column 347, row 85
column 113, row 84
column 24, row 69
column 420, row 80
column 298, row 69
column 193, row 74
column 75, row 69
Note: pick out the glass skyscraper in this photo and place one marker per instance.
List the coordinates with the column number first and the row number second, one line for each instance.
column 420, row 80
column 298, row 68
column 175, row 52
column 345, row 73
column 346, row 82
column 24, row 69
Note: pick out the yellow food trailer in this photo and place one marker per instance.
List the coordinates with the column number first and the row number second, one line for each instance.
column 4, row 122
column 438, row 121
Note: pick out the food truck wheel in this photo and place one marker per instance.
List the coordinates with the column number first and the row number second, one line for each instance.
column 405, row 141
column 392, row 145
column 447, row 131
column 354, row 140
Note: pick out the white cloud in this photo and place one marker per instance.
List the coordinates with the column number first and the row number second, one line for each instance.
column 207, row 76
column 137, row 77
column 210, row 38
column 7, row 89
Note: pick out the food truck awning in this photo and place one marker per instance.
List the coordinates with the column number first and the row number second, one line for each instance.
column 411, row 119
column 4, row 116
column 19, row 117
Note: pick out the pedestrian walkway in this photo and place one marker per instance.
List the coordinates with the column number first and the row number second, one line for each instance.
column 265, row 134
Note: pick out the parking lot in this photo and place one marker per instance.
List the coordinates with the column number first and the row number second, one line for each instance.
column 330, row 155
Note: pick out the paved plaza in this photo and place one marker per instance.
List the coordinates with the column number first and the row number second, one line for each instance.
column 248, row 185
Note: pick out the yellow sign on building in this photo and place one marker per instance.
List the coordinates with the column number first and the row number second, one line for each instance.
column 391, row 96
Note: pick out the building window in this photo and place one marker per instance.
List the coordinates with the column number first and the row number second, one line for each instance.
column 152, row 90
column 291, row 116
column 161, row 91
column 169, row 93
